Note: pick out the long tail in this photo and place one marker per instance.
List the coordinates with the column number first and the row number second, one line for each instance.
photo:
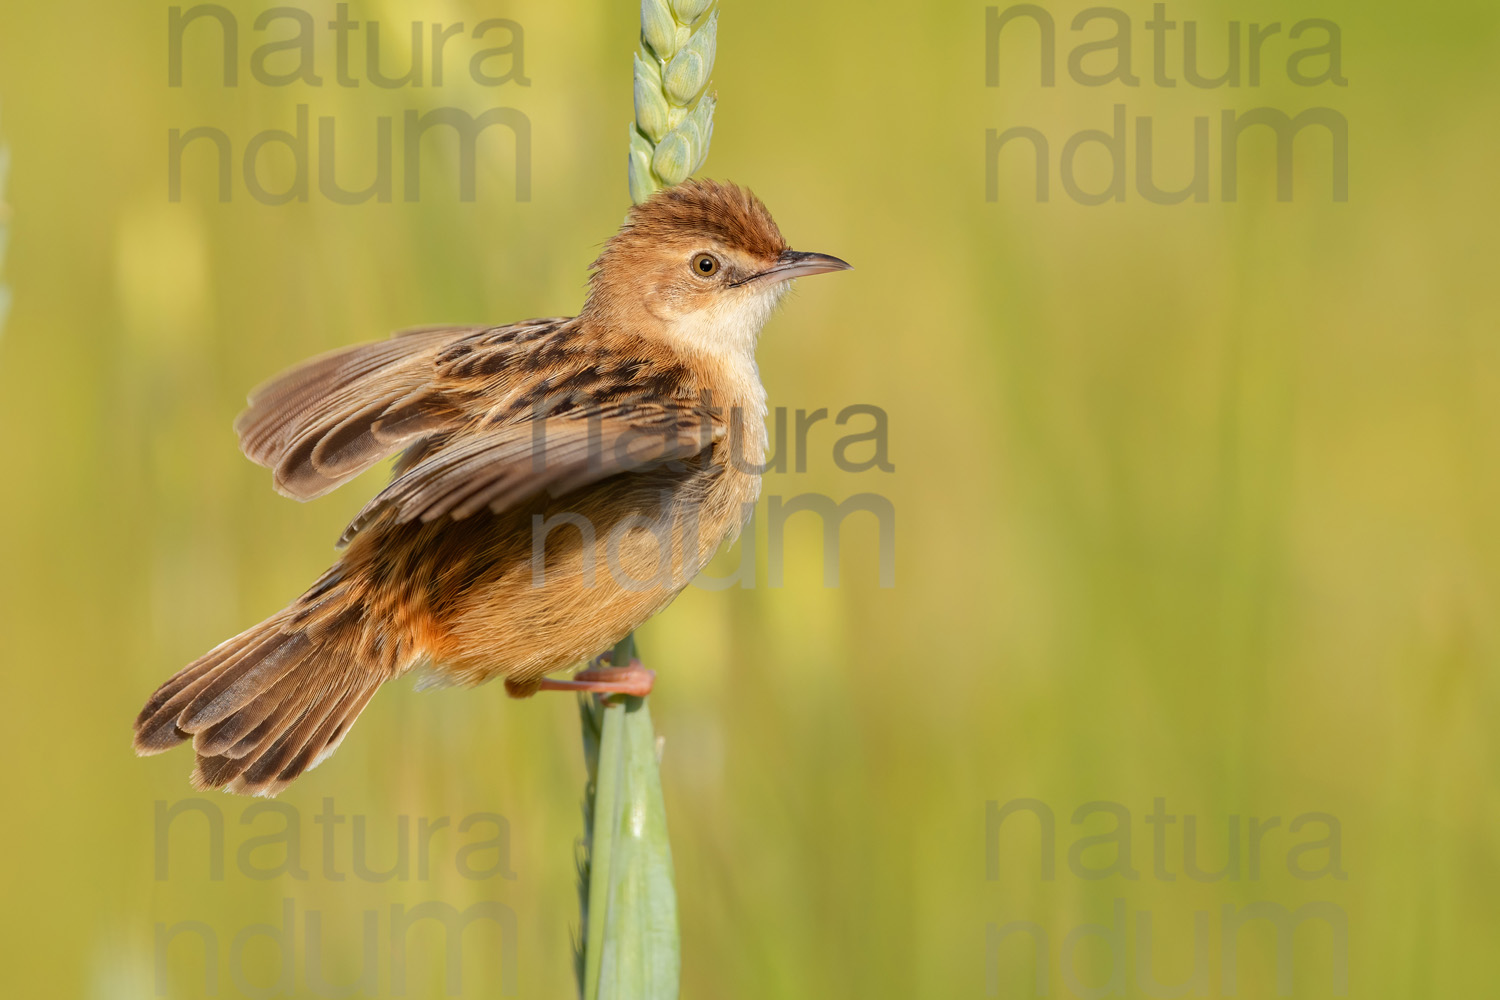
column 265, row 706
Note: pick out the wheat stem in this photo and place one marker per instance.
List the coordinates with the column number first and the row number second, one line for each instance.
column 628, row 947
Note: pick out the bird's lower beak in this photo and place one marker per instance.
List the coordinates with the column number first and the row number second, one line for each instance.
column 799, row 264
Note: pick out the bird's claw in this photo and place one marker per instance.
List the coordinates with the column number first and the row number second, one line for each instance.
column 634, row 680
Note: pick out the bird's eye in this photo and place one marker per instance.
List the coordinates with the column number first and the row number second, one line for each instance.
column 705, row 264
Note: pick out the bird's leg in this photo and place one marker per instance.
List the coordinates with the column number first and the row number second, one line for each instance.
column 633, row 679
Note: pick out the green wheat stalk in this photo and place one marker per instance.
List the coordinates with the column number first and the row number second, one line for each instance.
column 628, row 946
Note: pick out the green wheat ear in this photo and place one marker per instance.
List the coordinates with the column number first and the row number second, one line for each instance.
column 674, row 114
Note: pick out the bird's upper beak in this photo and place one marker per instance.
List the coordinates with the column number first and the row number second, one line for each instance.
column 798, row 264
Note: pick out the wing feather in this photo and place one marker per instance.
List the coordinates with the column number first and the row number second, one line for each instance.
column 331, row 418
column 487, row 417
column 283, row 406
column 508, row 463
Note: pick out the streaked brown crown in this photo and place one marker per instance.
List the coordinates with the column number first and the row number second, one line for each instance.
column 698, row 210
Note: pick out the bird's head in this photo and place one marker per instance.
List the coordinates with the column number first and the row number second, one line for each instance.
column 702, row 264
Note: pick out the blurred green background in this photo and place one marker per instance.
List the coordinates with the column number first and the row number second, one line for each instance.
column 1194, row 503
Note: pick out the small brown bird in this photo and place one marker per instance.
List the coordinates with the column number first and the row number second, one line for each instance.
column 559, row 482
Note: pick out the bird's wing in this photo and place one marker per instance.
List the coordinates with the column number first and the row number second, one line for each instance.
column 324, row 422
column 503, row 464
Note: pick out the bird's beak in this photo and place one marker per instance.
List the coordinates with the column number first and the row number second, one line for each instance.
column 798, row 264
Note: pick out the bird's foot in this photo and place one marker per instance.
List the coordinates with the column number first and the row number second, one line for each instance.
column 633, row 679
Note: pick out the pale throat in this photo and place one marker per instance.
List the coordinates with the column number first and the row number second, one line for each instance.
column 723, row 336
column 728, row 327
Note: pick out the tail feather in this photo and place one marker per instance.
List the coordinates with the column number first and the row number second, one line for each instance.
column 330, row 733
column 238, row 684
column 157, row 726
column 269, row 765
column 286, row 707
column 315, row 734
column 243, row 728
column 218, row 772
column 223, row 770
column 263, row 707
